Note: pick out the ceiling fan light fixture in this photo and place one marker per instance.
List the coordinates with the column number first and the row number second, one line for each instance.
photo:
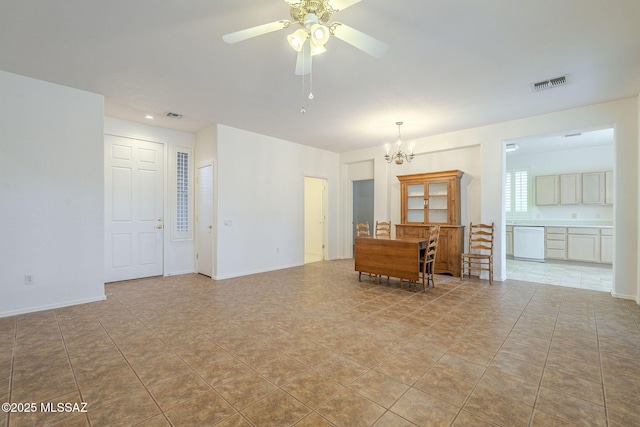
column 319, row 34
column 317, row 49
column 296, row 39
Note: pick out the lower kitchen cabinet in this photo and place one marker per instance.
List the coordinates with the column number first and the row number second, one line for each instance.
column 583, row 244
column 555, row 246
column 606, row 245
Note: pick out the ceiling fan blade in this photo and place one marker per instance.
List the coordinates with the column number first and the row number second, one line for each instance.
column 258, row 30
column 303, row 62
column 360, row 40
column 343, row 4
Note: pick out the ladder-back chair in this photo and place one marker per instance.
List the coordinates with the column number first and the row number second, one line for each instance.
column 362, row 229
column 429, row 260
column 479, row 257
column 383, row 229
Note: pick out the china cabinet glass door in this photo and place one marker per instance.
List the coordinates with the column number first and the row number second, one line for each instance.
column 438, row 199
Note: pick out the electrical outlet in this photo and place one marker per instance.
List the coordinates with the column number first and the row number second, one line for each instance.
column 29, row 279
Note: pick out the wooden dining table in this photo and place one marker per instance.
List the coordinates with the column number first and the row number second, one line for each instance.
column 399, row 258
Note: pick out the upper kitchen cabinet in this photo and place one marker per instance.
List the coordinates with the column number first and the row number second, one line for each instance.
column 593, row 188
column 430, row 198
column 608, row 187
column 547, row 190
column 570, row 189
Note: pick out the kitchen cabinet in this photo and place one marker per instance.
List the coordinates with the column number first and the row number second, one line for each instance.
column 556, row 242
column 509, row 239
column 593, row 188
column 606, row 245
column 546, row 190
column 570, row 189
column 608, row 187
column 583, row 244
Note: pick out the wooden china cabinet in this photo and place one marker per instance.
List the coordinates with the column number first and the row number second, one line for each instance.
column 433, row 198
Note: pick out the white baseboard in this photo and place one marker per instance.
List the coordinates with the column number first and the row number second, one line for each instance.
column 27, row 310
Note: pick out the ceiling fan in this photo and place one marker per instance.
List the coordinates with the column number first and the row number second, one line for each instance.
column 313, row 16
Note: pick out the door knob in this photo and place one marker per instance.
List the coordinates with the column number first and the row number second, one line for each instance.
column 159, row 226
column 210, row 227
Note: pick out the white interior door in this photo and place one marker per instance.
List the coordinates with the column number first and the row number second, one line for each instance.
column 204, row 220
column 134, row 203
column 314, row 219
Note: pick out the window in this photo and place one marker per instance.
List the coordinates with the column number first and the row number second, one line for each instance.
column 182, row 195
column 517, row 191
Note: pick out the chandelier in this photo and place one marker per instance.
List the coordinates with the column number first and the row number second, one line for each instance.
column 398, row 156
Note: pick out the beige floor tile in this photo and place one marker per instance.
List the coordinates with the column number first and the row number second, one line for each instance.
column 424, row 409
column 459, row 368
column 401, row 369
column 313, row 389
column 245, row 390
column 351, row 409
column 571, row 408
column 501, row 383
column 379, row 388
column 128, row 410
column 444, row 387
column 389, row 419
column 341, row 369
column 574, row 386
column 283, row 347
column 206, row 409
column 499, row 409
column 177, row 389
column 276, row 409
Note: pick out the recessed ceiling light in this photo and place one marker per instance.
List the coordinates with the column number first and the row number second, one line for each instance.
column 148, row 117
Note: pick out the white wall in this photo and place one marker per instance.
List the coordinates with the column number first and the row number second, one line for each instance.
column 260, row 201
column 622, row 115
column 179, row 254
column 51, row 191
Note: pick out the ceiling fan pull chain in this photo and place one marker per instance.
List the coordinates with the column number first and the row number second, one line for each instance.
column 310, row 78
column 303, row 110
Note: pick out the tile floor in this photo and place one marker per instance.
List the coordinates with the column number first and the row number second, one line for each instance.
column 597, row 277
column 312, row 346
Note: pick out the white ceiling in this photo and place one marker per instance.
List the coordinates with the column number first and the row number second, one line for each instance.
column 451, row 64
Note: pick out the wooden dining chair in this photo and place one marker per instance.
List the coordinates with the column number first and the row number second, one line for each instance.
column 429, row 259
column 383, row 229
column 362, row 229
column 479, row 256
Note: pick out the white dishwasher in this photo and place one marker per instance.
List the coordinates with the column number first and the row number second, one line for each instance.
column 528, row 243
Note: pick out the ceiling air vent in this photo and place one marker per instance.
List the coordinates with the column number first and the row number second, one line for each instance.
column 174, row 115
column 549, row 84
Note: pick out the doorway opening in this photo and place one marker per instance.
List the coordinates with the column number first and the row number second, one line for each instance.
column 363, row 192
column 562, row 184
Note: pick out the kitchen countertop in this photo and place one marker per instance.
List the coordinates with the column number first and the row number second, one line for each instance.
column 561, row 223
